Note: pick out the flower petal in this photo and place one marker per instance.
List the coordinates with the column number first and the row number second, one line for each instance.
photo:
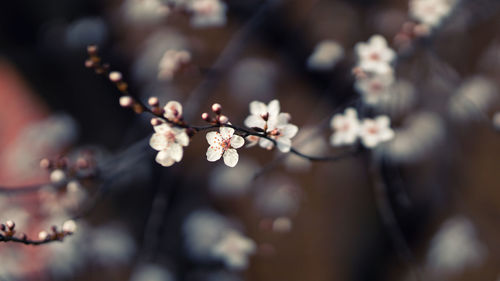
column 231, row 157
column 265, row 143
column 163, row 158
column 162, row 128
column 284, row 144
column 226, row 132
column 273, row 108
column 255, row 121
column 182, row 138
column 175, row 151
column 289, row 131
column 214, row 138
column 237, row 141
column 214, row 153
column 158, row 141
column 258, row 108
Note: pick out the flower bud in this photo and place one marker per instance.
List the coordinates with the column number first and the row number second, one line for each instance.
column 205, row 117
column 216, row 108
column 115, row 76
column 223, row 119
column 153, row 101
column 69, row 226
column 10, row 224
column 45, row 163
column 126, row 101
column 155, row 121
column 57, row 176
column 43, row 235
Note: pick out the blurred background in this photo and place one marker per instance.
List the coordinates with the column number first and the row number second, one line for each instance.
column 302, row 220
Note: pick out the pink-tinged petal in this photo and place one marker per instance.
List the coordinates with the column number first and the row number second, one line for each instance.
column 265, row 143
column 253, row 121
column 386, row 134
column 231, row 157
column 258, row 108
column 158, row 141
column 284, row 144
column 351, row 113
column 182, row 138
column 273, row 108
column 383, row 121
column 377, row 41
column 289, row 131
column 283, row 119
column 337, row 121
column 214, row 138
column 173, row 109
column 369, row 141
column 176, row 152
column 162, row 128
column 252, row 141
column 226, row 132
column 214, row 153
column 237, row 141
column 163, row 158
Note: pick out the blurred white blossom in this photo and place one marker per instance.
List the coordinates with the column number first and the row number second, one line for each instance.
column 171, row 62
column 145, row 11
column 151, row 272
column 375, row 56
column 234, row 250
column 455, row 247
column 169, row 141
column 346, row 127
column 472, row 99
column 431, row 12
column 207, row 13
column 325, row 55
column 375, row 131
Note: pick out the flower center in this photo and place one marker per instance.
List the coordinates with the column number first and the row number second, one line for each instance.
column 226, row 144
column 375, row 56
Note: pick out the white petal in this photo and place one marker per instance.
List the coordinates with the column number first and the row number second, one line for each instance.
column 162, row 128
column 386, row 134
column 182, row 138
column 255, row 121
column 175, row 151
column 226, row 132
column 163, row 158
column 273, row 108
column 214, row 138
column 214, row 153
column 237, row 141
column 258, row 108
column 265, row 143
column 289, row 131
column 383, row 121
column 369, row 141
column 284, row 144
column 158, row 141
column 283, row 118
column 231, row 157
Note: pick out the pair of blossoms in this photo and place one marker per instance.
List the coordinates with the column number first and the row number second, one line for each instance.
column 374, row 71
column 169, row 140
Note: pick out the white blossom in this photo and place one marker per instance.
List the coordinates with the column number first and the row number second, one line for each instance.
column 455, row 246
column 375, row 131
column 375, row 88
column 169, row 141
column 224, row 144
column 151, row 272
column 171, row 62
column 346, row 127
column 430, row 12
column 325, row 56
column 375, row 56
column 207, row 13
column 276, row 125
column 145, row 11
column 234, row 250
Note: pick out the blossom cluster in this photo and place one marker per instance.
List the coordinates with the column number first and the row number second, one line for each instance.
column 374, row 71
column 348, row 128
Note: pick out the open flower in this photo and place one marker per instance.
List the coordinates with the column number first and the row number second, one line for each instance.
column 375, row 131
column 169, row 142
column 234, row 249
column 345, row 126
column 281, row 131
column 171, row 62
column 375, row 56
column 375, row 88
column 260, row 113
column 224, row 144
column 275, row 124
